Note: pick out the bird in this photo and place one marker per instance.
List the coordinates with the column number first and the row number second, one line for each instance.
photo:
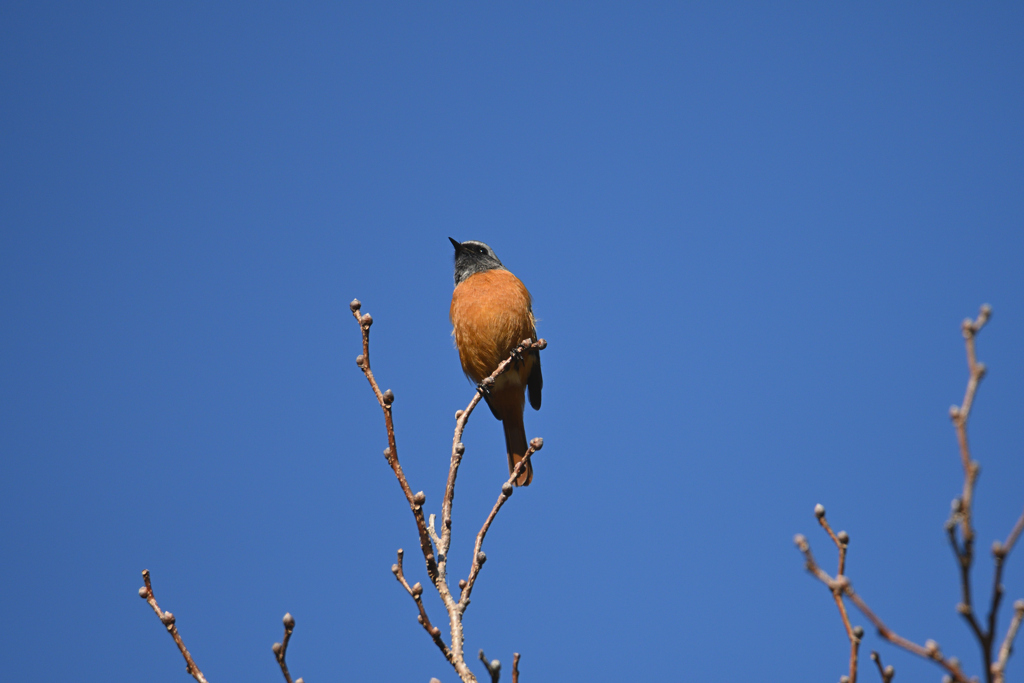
column 491, row 314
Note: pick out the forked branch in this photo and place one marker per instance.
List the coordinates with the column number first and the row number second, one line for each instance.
column 435, row 543
column 841, row 584
column 961, row 534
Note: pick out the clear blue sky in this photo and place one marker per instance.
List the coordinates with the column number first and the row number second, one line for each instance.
column 751, row 233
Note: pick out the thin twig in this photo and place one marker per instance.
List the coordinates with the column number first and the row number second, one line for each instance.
column 962, row 510
column 416, row 591
column 461, row 418
column 960, row 416
column 886, row 672
column 964, row 557
column 385, row 399
column 281, row 649
column 493, row 668
column 1014, row 535
column 515, row 667
column 1000, row 551
column 999, row 667
column 167, row 619
column 841, row 540
column 506, row 491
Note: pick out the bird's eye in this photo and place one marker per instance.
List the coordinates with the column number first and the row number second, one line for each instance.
column 481, row 250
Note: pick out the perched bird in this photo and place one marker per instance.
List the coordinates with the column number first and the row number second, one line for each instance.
column 491, row 315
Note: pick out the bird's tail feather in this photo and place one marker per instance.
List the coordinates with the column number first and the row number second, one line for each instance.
column 515, row 444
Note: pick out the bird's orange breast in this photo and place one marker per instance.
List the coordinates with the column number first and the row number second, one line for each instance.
column 491, row 314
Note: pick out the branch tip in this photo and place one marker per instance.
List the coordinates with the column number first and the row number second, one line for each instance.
column 493, row 667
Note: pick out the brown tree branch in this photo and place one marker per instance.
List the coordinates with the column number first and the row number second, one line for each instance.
column 515, row 667
column 167, row 619
column 429, row 536
column 999, row 667
column 962, row 508
column 385, row 399
column 1000, row 551
column 854, row 633
column 1014, row 535
column 506, row 491
column 461, row 418
column 930, row 650
column 493, row 667
column 885, row 672
column 416, row 591
column 961, row 533
column 281, row 649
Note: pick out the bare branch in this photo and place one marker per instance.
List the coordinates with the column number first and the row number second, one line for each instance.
column 515, row 667
column 385, row 399
column 461, row 418
column 999, row 667
column 281, row 649
column 167, row 619
column 430, row 537
column 506, row 491
column 493, row 667
column 962, row 506
column 1014, row 535
column 930, row 650
column 962, row 510
column 960, row 415
column 1000, row 551
column 416, row 591
column 962, row 543
column 853, row 633
column 885, row 672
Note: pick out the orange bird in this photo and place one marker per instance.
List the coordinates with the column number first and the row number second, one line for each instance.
column 491, row 315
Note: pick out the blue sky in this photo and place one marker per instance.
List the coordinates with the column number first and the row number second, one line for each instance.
column 750, row 232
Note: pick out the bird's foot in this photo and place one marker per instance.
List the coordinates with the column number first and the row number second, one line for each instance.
column 517, row 355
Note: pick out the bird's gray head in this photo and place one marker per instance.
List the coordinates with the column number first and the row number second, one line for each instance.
column 473, row 257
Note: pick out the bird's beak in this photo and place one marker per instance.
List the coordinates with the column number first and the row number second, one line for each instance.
column 458, row 246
